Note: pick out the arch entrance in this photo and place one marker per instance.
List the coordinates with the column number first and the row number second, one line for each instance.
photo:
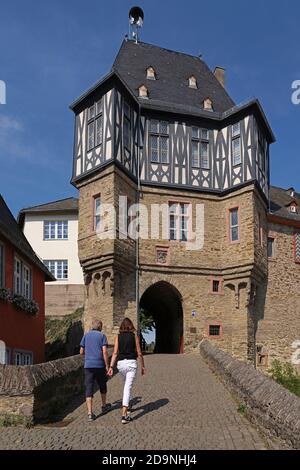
column 164, row 303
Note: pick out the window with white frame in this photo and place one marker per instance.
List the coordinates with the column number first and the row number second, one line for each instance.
column 23, row 358
column 234, row 224
column 236, row 144
column 159, row 141
column 2, row 266
column 59, row 268
column 26, row 281
column 200, row 148
column 179, row 217
column 127, row 127
column 95, row 125
column 22, row 278
column 17, row 276
column 56, row 229
column 97, row 214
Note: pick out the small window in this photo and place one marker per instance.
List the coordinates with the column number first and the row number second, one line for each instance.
column 234, row 225
column 17, row 276
column 271, row 243
column 143, row 92
column 208, row 105
column 216, row 286
column 159, row 141
column 2, row 267
column 179, row 216
column 151, row 73
column 27, row 282
column 193, row 82
column 236, row 144
column 23, row 358
column 200, row 148
column 214, row 330
column 58, row 268
column 293, row 208
column 236, row 129
column 236, row 151
column 56, row 229
column 97, row 213
column 95, row 125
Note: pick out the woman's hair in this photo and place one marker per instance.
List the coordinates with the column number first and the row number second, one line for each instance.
column 127, row 325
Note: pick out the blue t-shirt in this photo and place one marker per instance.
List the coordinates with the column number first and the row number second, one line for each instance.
column 92, row 342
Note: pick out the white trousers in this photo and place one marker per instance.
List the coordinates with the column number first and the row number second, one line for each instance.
column 127, row 368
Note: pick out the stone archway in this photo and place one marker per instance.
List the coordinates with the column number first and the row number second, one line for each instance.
column 163, row 301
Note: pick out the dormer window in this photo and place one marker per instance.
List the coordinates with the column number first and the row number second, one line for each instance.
column 143, row 92
column 293, row 208
column 208, row 104
column 151, row 75
column 193, row 82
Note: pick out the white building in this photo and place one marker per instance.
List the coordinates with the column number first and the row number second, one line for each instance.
column 52, row 231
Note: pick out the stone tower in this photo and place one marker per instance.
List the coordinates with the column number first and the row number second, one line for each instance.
column 161, row 130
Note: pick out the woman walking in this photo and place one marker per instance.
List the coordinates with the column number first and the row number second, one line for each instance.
column 126, row 351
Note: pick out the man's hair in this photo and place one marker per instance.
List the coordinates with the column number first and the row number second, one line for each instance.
column 97, row 325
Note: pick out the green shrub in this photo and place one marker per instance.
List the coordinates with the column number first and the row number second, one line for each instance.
column 284, row 374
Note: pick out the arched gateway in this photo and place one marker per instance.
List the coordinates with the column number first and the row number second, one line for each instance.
column 164, row 303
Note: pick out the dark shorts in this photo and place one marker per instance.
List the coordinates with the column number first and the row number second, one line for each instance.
column 92, row 376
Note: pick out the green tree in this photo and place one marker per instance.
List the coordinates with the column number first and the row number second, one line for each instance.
column 146, row 321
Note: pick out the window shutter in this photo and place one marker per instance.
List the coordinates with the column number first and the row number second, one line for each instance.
column 297, row 247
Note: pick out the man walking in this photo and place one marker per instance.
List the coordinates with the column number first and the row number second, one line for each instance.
column 94, row 348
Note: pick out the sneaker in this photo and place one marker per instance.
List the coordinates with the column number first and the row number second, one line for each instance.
column 91, row 417
column 106, row 408
column 126, row 419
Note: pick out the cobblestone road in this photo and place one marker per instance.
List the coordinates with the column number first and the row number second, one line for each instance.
column 179, row 404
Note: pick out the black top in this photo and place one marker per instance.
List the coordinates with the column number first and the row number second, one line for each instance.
column 127, row 346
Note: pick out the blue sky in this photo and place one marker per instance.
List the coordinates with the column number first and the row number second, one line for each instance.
column 52, row 51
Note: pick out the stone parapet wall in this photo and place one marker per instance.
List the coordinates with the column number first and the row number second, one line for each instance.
column 269, row 405
column 35, row 393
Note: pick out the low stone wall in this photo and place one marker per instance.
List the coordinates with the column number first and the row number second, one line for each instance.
column 269, row 405
column 30, row 394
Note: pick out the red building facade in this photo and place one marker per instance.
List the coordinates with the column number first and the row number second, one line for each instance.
column 22, row 295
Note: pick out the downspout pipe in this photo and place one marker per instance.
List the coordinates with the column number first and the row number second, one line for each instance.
column 137, row 243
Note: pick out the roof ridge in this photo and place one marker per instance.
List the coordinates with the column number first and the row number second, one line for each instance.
column 165, row 49
column 47, row 203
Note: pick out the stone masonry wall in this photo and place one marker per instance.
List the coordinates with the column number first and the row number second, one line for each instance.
column 280, row 325
column 268, row 404
column 109, row 264
column 63, row 300
column 35, row 393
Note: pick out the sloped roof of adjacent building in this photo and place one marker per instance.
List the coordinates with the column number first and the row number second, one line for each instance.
column 172, row 70
column 10, row 230
column 280, row 201
column 61, row 206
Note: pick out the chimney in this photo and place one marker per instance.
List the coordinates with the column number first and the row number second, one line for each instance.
column 219, row 73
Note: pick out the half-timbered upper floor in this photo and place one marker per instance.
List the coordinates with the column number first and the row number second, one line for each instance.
column 166, row 118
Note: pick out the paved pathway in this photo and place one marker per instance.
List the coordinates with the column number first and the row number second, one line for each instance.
column 179, row 404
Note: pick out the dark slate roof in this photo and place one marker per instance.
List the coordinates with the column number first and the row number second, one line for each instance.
column 280, row 201
column 173, row 70
column 10, row 230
